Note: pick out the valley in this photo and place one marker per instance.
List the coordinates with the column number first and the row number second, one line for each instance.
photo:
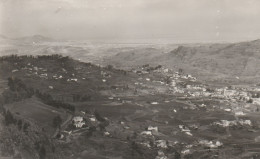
column 55, row 106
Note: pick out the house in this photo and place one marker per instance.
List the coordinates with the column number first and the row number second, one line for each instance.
column 188, row 133
column 225, row 123
column 245, row 122
column 68, row 132
column 151, row 128
column 83, row 112
column 210, row 144
column 166, row 70
column 148, row 79
column 229, row 93
column 93, row 119
column 105, row 74
column 146, row 144
column 44, row 74
column 161, row 143
column 188, row 86
column 74, row 79
column 106, row 133
column 184, row 128
column 256, row 101
column 202, row 105
column 186, row 151
column 78, row 121
column 161, row 155
column 14, row 70
column 146, row 133
column 240, row 113
column 173, row 83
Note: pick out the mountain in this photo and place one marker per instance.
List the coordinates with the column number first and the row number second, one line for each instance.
column 35, row 39
column 209, row 61
column 134, row 57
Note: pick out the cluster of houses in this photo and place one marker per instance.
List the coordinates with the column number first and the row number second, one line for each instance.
column 80, row 123
column 162, row 145
column 43, row 73
column 226, row 123
column 105, row 75
column 185, row 86
column 210, row 144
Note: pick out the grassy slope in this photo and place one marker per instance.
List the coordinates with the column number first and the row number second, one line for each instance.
column 34, row 110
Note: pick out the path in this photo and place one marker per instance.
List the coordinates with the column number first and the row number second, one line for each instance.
column 63, row 125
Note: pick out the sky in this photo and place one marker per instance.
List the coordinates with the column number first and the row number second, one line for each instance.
column 197, row 20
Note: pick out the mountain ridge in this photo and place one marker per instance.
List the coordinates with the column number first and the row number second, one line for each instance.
column 235, row 59
column 35, row 38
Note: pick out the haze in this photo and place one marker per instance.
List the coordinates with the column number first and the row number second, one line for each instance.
column 188, row 20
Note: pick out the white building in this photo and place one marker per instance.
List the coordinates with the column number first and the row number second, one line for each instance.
column 151, row 128
column 78, row 121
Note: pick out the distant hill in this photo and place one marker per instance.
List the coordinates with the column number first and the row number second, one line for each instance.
column 35, row 39
column 5, row 40
column 3, row 36
column 208, row 60
column 134, row 57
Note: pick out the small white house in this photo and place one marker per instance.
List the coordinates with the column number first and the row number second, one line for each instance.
column 161, row 143
column 78, row 121
column 146, row 133
column 256, row 101
column 151, row 128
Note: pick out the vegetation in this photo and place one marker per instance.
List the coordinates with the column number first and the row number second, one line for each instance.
column 121, row 130
column 17, row 90
column 20, row 124
column 9, row 118
column 57, row 122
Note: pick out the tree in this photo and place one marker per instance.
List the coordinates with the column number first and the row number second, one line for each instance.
column 57, row 121
column 20, row 124
column 250, row 101
column 177, row 155
column 103, row 125
column 25, row 127
column 180, row 70
column 99, row 117
column 110, row 67
column 16, row 84
column 42, row 153
column 9, row 119
column 168, row 79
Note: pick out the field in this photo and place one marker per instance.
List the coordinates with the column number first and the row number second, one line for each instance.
column 35, row 111
column 199, row 120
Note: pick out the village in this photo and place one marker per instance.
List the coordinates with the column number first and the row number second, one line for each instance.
column 159, row 109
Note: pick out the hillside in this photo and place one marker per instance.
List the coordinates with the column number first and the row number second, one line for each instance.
column 53, row 106
column 134, row 57
column 206, row 61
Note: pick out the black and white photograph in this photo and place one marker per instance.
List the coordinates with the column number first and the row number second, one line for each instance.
column 129, row 79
